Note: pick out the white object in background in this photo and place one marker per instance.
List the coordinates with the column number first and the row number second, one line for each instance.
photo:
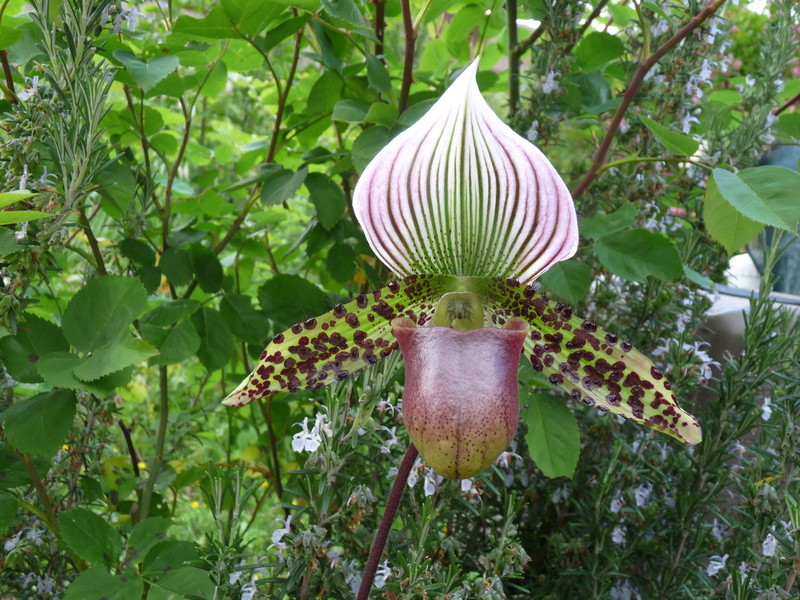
column 742, row 273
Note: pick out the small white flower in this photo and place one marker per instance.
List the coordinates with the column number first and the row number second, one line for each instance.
column 468, row 486
column 22, row 232
column 35, row 535
column 278, row 534
column 718, row 531
column 12, row 542
column 382, row 574
column 532, row 132
column 766, row 409
column 769, row 545
column 354, row 581
column 432, row 480
column 504, row 460
column 716, row 564
column 618, row 535
column 744, row 568
column 659, row 28
column 31, row 91
column 560, row 494
column 550, row 84
column 623, row 590
column 23, row 179
column 414, row 474
column 386, row 447
column 642, row 494
column 616, row 503
column 249, row 590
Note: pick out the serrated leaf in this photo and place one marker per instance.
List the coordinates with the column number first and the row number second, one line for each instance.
column 636, row 254
column 327, row 197
column 176, row 264
column 553, row 437
column 597, row 49
column 39, row 425
column 95, row 583
column 147, row 74
column 377, row 75
column 281, row 185
column 724, row 223
column 56, row 369
column 90, row 536
column 350, row 111
column 216, row 340
column 113, row 357
column 101, row 311
column 368, row 144
column 568, row 280
column 207, row 268
column 246, row 322
column 145, row 535
column 174, row 343
column 677, row 143
column 767, row 194
column 599, row 225
column 287, row 299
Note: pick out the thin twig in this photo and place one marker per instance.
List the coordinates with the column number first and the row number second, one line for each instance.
column 408, row 59
column 385, row 525
column 87, row 229
column 786, row 105
column 126, row 433
column 380, row 27
column 273, row 142
column 513, row 58
column 8, row 76
column 633, row 87
column 520, row 48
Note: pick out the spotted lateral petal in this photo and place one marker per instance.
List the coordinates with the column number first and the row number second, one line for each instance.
column 327, row 349
column 461, row 193
column 594, row 366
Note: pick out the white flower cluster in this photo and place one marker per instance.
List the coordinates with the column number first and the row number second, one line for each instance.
column 623, row 590
column 309, row 440
column 716, row 564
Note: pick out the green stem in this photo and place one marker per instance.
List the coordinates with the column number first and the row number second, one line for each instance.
column 636, row 159
column 161, row 435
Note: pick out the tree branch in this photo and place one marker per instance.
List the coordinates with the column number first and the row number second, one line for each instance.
column 408, row 60
column 786, row 105
column 513, row 58
column 633, row 88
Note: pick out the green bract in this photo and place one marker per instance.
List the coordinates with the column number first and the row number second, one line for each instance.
column 459, row 204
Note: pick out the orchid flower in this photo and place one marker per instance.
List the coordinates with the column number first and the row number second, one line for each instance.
column 467, row 214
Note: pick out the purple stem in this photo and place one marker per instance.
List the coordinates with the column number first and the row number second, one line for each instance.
column 382, row 534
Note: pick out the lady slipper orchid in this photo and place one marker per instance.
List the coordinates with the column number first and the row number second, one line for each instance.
column 468, row 214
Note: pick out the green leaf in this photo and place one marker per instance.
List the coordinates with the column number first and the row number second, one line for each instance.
column 176, row 264
column 101, row 311
column 675, row 142
column 288, row 299
column 367, row 145
column 170, row 313
column 724, row 223
column 90, row 536
column 13, row 473
column 8, row 217
column 9, row 36
column 350, row 111
column 8, row 242
column 696, row 277
column 787, row 128
column 113, row 357
column 325, row 93
column 216, row 340
column 145, row 535
column 765, row 194
column 147, row 74
column 281, row 185
column 39, row 425
column 568, row 280
column 9, row 198
column 250, row 17
column 327, row 197
column 377, row 75
column 329, row 347
column 187, row 582
column 341, row 263
column 35, row 337
column 599, row 225
column 175, row 343
column 207, row 268
column 553, row 437
column 137, row 252
column 597, row 49
column 636, row 254
column 56, row 369
column 95, row 583
column 382, row 114
column 8, row 512
column 246, row 322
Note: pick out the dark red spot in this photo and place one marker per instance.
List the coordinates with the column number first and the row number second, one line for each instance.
column 352, row 320
column 310, row 323
column 339, row 311
column 297, row 328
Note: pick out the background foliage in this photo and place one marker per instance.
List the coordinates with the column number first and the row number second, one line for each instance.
column 176, row 190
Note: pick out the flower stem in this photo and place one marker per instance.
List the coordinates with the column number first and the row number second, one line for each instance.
column 386, row 522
